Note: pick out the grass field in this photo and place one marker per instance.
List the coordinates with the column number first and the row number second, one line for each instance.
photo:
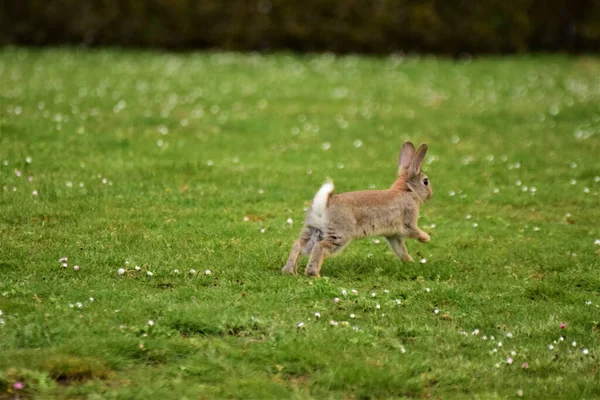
column 169, row 165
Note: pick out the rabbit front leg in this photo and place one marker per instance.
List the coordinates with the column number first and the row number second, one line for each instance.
column 413, row 232
column 399, row 247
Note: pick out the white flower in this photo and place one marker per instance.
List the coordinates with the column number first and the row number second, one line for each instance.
column 149, row 273
column 2, row 321
column 300, row 325
column 78, row 304
column 373, row 294
column 332, row 323
column 513, row 353
column 574, row 343
column 597, row 242
column 1, row 313
column 246, row 219
column 192, row 271
column 151, row 323
column 475, row 332
column 587, row 303
column 34, row 193
column 121, row 271
column 385, row 291
column 290, row 221
column 484, row 337
column 585, row 351
column 377, row 306
column 317, row 315
column 336, row 300
column 423, row 260
column 127, row 263
column 475, row 224
column 137, row 268
column 550, row 347
column 64, row 265
column 176, row 271
column 468, row 216
column 326, row 146
column 492, row 338
column 352, row 316
column 509, row 335
column 428, row 290
column 91, row 299
column 436, row 311
column 207, row 272
column 561, row 339
column 262, row 230
column 509, row 361
column 499, row 344
column 354, row 292
column 398, row 301
column 344, row 293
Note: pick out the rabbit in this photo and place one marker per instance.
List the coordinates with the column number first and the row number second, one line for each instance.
column 334, row 220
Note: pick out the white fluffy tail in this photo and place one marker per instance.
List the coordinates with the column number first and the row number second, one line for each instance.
column 320, row 203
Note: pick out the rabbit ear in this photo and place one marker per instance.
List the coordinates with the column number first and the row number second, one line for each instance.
column 406, row 155
column 418, row 159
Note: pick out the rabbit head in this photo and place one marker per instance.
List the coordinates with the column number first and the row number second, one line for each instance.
column 409, row 172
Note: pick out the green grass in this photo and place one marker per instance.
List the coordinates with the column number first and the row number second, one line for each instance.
column 245, row 136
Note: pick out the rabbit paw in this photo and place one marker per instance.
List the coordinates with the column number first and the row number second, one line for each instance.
column 310, row 271
column 407, row 258
column 289, row 269
column 424, row 238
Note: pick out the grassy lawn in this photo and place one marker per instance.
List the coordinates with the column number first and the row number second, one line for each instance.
column 169, row 165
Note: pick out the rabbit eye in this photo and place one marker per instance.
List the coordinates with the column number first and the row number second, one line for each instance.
column 426, row 181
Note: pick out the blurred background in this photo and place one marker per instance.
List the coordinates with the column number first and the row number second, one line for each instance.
column 350, row 26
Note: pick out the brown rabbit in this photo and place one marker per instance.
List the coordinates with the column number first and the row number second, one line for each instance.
column 334, row 220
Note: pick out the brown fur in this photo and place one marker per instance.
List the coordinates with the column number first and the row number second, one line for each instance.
column 392, row 213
